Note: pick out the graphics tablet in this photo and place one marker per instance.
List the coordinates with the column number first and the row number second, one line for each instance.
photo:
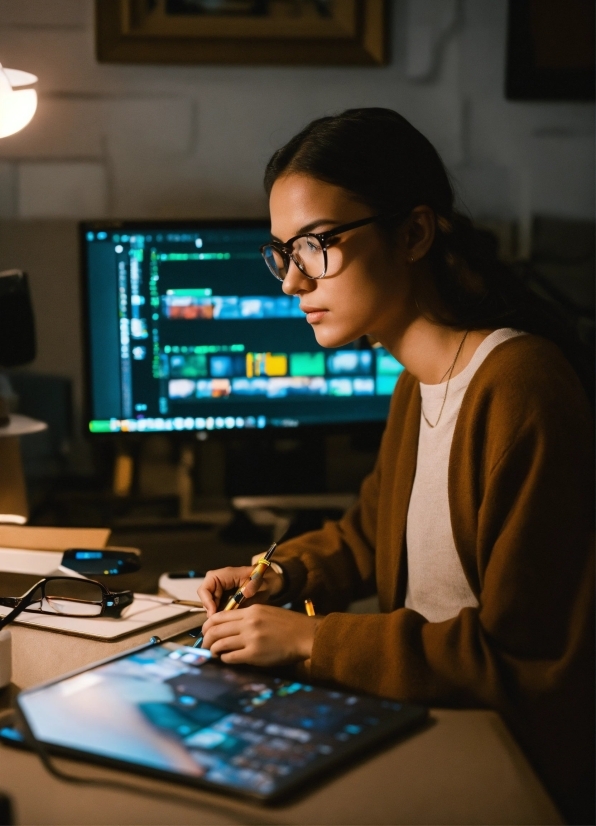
column 178, row 713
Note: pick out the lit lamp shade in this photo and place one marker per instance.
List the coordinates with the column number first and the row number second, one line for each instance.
column 17, row 107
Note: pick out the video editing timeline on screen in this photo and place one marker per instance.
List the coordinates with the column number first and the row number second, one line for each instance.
column 207, row 340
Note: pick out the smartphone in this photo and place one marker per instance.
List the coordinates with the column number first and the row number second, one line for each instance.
column 10, row 734
column 185, row 575
column 181, row 584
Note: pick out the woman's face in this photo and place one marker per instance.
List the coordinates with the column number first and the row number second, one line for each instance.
column 367, row 286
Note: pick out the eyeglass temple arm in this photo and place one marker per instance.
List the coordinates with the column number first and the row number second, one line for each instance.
column 13, row 614
column 19, row 603
column 329, row 234
column 125, row 598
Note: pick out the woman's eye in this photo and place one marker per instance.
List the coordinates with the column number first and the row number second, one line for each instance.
column 313, row 245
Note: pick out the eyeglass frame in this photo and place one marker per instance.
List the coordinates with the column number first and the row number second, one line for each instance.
column 120, row 601
column 285, row 249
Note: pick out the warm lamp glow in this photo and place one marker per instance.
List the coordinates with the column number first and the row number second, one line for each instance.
column 12, row 519
column 16, row 107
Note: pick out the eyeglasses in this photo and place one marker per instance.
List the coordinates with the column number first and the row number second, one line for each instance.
column 67, row 597
column 309, row 251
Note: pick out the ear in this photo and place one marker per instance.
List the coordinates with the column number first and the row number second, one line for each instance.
column 419, row 233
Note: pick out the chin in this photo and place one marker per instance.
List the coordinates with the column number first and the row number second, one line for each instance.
column 334, row 338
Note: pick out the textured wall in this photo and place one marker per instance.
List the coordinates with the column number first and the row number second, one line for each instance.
column 151, row 141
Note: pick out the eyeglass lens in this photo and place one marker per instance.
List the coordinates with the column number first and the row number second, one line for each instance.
column 68, row 597
column 307, row 253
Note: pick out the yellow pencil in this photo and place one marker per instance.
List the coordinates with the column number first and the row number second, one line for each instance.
column 310, row 608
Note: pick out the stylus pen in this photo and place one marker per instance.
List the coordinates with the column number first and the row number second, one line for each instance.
column 257, row 574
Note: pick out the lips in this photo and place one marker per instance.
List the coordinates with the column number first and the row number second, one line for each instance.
column 313, row 314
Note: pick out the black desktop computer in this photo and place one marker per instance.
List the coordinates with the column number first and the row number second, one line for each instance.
column 187, row 332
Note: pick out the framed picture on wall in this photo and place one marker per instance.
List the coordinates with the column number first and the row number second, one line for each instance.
column 550, row 50
column 250, row 32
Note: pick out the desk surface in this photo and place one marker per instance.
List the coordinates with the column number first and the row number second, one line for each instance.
column 464, row 767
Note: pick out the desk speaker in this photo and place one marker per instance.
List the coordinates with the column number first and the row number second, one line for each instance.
column 17, row 325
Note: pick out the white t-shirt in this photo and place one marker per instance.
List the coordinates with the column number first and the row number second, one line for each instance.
column 437, row 586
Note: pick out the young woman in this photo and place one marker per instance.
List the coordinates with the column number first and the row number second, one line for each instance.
column 474, row 528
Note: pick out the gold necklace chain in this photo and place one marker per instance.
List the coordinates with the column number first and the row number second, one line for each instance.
column 450, row 371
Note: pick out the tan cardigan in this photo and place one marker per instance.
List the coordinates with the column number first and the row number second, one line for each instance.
column 520, row 496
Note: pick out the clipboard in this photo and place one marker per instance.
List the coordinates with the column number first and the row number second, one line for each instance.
column 146, row 610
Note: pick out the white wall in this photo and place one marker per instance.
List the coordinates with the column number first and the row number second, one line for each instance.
column 136, row 141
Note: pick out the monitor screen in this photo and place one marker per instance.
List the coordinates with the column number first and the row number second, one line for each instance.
column 187, row 331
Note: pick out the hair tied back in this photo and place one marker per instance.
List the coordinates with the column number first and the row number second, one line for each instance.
column 444, row 225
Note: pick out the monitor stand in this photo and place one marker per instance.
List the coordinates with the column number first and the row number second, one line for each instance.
column 249, row 487
column 280, row 513
column 270, row 512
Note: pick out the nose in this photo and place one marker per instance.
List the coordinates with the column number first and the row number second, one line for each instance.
column 295, row 282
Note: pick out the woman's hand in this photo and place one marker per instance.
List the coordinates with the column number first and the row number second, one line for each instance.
column 217, row 582
column 260, row 635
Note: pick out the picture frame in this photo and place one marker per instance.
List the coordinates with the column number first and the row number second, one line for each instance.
column 243, row 32
column 550, row 50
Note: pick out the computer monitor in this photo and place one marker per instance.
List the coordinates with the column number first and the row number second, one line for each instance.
column 188, row 331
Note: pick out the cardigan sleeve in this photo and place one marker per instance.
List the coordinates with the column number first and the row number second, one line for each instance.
column 336, row 564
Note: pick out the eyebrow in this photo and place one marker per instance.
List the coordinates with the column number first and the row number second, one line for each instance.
column 309, row 227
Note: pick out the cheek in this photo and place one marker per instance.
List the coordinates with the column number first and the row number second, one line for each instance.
column 363, row 273
column 358, row 294
column 351, row 313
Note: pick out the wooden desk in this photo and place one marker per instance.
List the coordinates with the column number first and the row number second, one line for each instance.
column 42, row 655
column 464, row 768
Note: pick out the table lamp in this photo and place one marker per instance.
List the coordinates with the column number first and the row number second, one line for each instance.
column 17, row 106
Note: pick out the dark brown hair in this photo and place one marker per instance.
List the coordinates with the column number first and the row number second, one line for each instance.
column 384, row 162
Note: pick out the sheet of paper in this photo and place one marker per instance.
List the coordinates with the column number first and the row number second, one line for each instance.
column 181, row 588
column 146, row 610
column 21, row 561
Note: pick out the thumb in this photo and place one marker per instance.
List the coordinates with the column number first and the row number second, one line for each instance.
column 251, row 587
column 254, row 582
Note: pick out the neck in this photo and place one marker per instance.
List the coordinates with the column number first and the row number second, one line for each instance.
column 427, row 350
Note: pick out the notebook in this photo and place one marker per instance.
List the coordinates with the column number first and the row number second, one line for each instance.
column 146, row 610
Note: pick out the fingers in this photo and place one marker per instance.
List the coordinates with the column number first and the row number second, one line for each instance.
column 260, row 635
column 237, row 636
column 227, row 631
column 229, row 619
column 207, row 593
column 251, row 588
column 217, row 582
column 224, row 638
column 237, row 657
